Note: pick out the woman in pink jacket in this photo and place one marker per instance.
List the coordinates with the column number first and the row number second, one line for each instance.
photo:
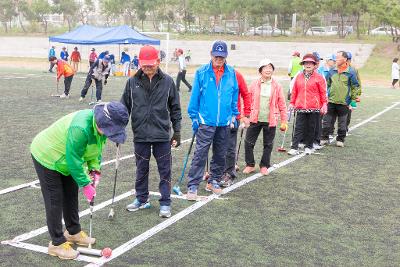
column 308, row 100
column 267, row 103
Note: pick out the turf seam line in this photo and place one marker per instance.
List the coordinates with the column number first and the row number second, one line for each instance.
column 33, row 183
column 152, row 231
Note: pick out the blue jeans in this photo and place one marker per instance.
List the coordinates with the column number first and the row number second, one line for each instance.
column 205, row 136
column 162, row 154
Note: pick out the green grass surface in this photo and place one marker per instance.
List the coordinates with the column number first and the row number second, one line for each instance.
column 336, row 209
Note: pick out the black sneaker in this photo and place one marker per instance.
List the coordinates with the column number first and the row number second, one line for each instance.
column 226, row 180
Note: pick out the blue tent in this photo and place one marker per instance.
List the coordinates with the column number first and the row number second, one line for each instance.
column 90, row 35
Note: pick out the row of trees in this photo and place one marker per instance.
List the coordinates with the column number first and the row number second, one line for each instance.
column 200, row 12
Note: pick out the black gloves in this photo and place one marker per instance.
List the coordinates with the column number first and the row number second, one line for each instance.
column 177, row 137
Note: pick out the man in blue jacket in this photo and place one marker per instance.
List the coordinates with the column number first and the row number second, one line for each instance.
column 213, row 110
column 52, row 53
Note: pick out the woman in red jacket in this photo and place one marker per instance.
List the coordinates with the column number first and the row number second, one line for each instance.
column 267, row 103
column 308, row 100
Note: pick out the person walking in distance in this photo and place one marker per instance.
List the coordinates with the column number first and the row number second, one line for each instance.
column 64, row 69
column 153, row 103
column 64, row 54
column 98, row 73
column 92, row 57
column 67, row 157
column 395, row 72
column 267, row 101
column 213, row 110
column 182, row 71
column 52, row 53
column 75, row 59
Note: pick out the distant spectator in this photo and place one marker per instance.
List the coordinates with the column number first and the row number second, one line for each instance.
column 162, row 55
column 395, row 72
column 112, row 62
column 329, row 64
column 64, row 54
column 294, row 67
column 188, row 55
column 52, row 53
column 92, row 57
column 75, row 59
column 125, row 61
column 135, row 62
column 182, row 72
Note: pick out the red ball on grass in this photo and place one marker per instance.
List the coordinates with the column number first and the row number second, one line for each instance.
column 106, row 252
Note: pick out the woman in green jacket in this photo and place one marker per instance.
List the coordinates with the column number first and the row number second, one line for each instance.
column 67, row 156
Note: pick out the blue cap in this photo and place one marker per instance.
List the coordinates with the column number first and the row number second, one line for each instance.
column 349, row 55
column 106, row 58
column 112, row 118
column 219, row 49
column 317, row 56
column 332, row 57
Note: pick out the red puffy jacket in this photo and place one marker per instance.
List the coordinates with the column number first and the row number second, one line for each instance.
column 309, row 94
column 243, row 94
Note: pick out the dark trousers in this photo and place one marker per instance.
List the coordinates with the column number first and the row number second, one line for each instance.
column 335, row 111
column 250, row 141
column 51, row 66
column 88, row 82
column 394, row 82
column 318, row 129
column 91, row 64
column 205, row 136
column 348, row 119
column 305, row 129
column 162, row 154
column 60, row 194
column 182, row 77
column 67, row 84
column 230, row 158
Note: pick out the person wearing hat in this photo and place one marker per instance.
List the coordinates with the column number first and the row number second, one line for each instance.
column 343, row 88
column 182, row 71
column 64, row 54
column 98, row 72
column 52, row 53
column 153, row 104
column 267, row 101
column 92, row 57
column 103, row 54
column 67, row 158
column 329, row 64
column 294, row 67
column 75, row 59
column 308, row 101
column 213, row 110
column 63, row 69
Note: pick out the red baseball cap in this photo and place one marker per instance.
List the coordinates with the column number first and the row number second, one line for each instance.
column 148, row 56
column 296, row 53
column 308, row 58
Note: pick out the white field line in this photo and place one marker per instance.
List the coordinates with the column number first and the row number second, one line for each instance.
column 33, row 183
column 149, row 233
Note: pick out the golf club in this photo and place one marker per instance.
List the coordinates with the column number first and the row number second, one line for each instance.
column 176, row 187
column 238, row 150
column 206, row 173
column 294, row 126
column 57, row 92
column 111, row 213
column 281, row 148
column 91, row 204
column 92, row 101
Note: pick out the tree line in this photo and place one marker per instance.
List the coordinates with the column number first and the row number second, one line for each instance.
column 203, row 13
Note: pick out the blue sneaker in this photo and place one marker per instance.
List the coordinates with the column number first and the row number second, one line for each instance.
column 165, row 211
column 136, row 205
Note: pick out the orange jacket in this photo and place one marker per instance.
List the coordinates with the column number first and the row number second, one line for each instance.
column 63, row 68
column 277, row 103
column 309, row 94
column 76, row 56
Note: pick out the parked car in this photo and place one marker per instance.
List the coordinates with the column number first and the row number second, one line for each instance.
column 383, row 30
column 265, row 30
column 222, row 30
column 322, row 31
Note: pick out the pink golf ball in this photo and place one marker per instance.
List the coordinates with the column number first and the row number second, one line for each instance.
column 106, row 252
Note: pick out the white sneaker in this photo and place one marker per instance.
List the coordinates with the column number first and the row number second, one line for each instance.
column 331, row 138
column 293, row 152
column 317, row 146
column 308, row 151
column 324, row 142
column 98, row 101
column 81, row 99
column 301, row 146
column 64, row 96
column 339, row 144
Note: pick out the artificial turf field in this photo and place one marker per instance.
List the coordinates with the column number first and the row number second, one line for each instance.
column 341, row 208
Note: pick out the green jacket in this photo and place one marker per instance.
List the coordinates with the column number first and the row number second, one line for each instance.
column 70, row 146
column 342, row 87
column 295, row 66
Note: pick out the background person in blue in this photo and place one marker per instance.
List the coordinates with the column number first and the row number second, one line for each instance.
column 52, row 53
column 213, row 110
column 126, row 62
column 64, row 54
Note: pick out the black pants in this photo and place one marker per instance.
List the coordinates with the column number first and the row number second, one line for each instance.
column 67, row 84
column 60, row 194
column 394, row 82
column 335, row 111
column 348, row 119
column 250, row 141
column 162, row 153
column 88, row 82
column 91, row 64
column 51, row 67
column 305, row 129
column 230, row 158
column 182, row 77
column 318, row 129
